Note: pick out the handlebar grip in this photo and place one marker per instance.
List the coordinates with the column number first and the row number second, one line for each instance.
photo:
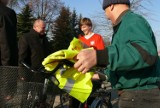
column 42, row 70
column 61, row 63
column 67, row 62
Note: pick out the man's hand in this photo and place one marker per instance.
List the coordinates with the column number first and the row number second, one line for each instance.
column 86, row 59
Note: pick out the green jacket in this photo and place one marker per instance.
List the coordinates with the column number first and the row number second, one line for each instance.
column 132, row 60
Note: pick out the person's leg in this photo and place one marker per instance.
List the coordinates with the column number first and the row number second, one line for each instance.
column 73, row 103
column 140, row 99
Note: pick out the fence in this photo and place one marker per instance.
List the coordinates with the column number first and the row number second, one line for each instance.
column 24, row 91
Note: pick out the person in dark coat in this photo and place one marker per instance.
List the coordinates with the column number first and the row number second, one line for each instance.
column 8, row 36
column 34, row 47
column 8, row 50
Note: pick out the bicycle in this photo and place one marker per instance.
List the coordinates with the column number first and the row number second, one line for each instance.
column 102, row 98
column 25, row 94
column 38, row 100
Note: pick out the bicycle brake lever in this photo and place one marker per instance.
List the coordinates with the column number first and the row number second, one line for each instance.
column 28, row 67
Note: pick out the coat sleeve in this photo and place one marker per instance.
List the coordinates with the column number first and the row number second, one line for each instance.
column 4, row 46
column 3, row 34
column 48, row 47
column 23, row 50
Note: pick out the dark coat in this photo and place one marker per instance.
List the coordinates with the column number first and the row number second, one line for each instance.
column 33, row 48
column 8, row 37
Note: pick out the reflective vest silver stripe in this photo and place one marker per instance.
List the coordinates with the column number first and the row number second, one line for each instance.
column 69, row 85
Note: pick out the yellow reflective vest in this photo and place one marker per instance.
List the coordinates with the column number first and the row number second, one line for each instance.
column 73, row 82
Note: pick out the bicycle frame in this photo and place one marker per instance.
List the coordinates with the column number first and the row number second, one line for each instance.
column 102, row 98
column 100, row 94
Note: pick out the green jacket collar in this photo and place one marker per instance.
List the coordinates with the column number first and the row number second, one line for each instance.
column 120, row 17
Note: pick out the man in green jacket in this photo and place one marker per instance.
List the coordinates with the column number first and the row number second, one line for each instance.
column 131, row 61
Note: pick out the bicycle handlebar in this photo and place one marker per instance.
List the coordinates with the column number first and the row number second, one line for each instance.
column 49, row 75
column 42, row 70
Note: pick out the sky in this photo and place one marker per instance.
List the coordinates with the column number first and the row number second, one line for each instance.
column 89, row 8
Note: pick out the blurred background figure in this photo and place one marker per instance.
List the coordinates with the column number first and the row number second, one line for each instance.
column 8, row 50
column 33, row 48
column 94, row 40
column 88, row 37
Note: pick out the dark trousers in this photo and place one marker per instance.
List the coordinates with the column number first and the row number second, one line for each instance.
column 74, row 103
column 140, row 99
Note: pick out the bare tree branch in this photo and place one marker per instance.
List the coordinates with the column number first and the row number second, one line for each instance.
column 103, row 26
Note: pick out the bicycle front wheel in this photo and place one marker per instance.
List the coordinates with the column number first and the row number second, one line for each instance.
column 100, row 103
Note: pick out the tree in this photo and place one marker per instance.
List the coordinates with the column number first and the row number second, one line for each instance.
column 47, row 10
column 75, row 24
column 24, row 21
column 64, row 29
column 12, row 3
